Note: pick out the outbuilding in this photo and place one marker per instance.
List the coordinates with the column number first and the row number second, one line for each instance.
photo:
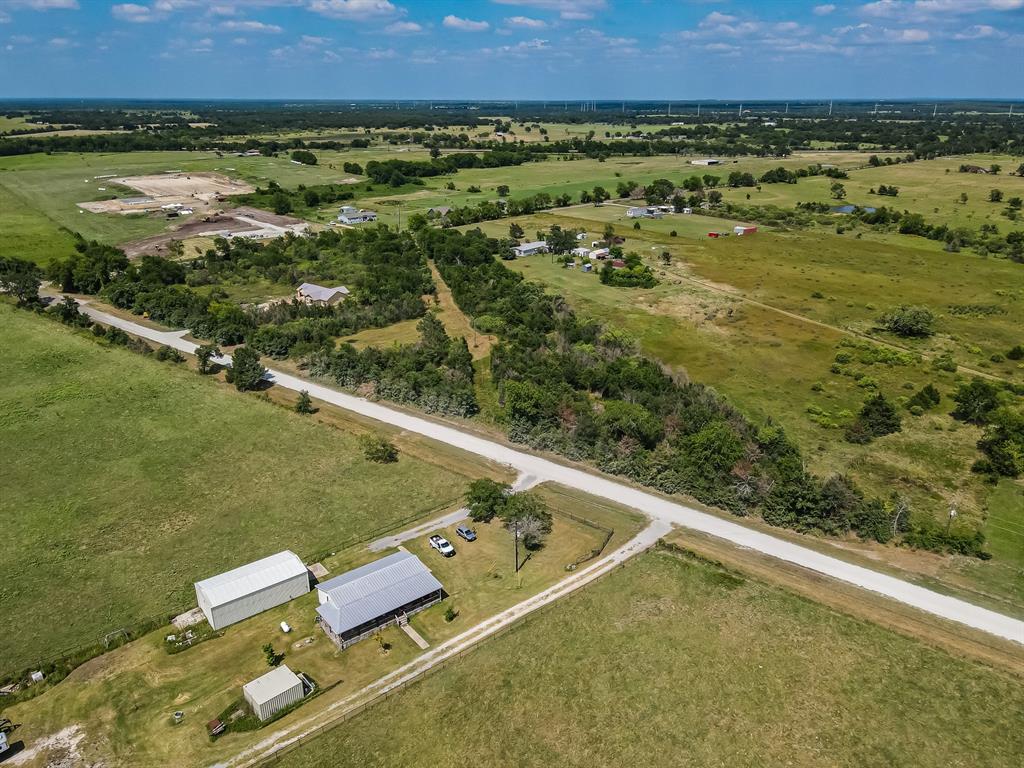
column 528, row 249
column 358, row 603
column 320, row 295
column 272, row 692
column 252, row 588
column 742, row 230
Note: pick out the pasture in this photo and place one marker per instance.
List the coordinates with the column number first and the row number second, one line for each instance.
column 124, row 700
column 673, row 661
column 931, row 188
column 739, row 314
column 126, row 480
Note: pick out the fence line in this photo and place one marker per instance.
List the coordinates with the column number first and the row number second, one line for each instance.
column 79, row 654
column 400, row 688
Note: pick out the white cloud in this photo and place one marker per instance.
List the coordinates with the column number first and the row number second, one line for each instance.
column 573, row 10
column 61, row 42
column 465, row 25
column 525, row 22
column 824, row 10
column 250, row 26
column 403, row 28
column 48, row 5
column 133, row 13
column 203, row 45
column 520, row 50
column 918, row 10
column 355, row 10
column 715, row 17
column 978, row 32
column 314, row 41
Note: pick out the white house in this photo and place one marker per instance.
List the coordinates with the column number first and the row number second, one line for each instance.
column 311, row 293
column 528, row 249
column 581, row 252
column 351, row 215
column 252, row 588
column 599, row 253
column 272, row 692
column 706, row 161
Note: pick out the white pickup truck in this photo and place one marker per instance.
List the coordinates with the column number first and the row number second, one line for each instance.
column 442, row 545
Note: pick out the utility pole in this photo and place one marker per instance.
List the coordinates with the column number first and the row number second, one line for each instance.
column 935, row 111
column 787, row 107
column 830, row 107
column 741, row 110
column 515, row 538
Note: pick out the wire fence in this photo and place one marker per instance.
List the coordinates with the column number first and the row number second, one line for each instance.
column 60, row 664
column 399, row 688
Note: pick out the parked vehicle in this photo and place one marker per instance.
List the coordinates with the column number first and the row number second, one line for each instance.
column 466, row 532
column 442, row 545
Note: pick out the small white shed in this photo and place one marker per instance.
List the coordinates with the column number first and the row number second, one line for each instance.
column 253, row 588
column 274, row 691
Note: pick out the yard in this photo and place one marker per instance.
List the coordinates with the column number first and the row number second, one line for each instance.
column 126, row 479
column 123, row 701
column 673, row 661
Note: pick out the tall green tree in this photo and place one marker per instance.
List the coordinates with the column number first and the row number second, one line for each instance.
column 245, row 372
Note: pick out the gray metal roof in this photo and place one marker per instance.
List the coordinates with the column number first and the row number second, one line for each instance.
column 374, row 590
column 251, row 577
column 272, row 684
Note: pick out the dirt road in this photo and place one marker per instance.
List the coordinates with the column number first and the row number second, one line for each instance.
column 653, row 506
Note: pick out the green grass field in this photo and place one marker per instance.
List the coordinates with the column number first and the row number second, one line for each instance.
column 772, row 355
column 124, row 699
column 925, row 187
column 674, row 662
column 125, row 480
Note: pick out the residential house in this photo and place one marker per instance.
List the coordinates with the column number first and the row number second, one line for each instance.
column 352, row 215
column 319, row 295
column 528, row 249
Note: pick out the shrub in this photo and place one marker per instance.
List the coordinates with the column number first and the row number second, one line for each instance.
column 169, row 354
column 944, row 362
column 245, row 372
column 909, row 321
column 673, row 233
column 1016, row 353
column 878, row 417
column 379, row 449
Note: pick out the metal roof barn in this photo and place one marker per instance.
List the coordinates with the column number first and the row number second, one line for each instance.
column 252, row 588
column 272, row 692
column 367, row 598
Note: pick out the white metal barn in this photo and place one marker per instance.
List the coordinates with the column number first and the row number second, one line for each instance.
column 253, row 588
column 272, row 692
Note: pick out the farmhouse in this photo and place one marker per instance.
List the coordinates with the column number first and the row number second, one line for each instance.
column 320, row 296
column 528, row 249
column 252, row 588
column 272, row 692
column 356, row 604
column 351, row 215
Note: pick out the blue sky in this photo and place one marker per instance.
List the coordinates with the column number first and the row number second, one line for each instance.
column 512, row 49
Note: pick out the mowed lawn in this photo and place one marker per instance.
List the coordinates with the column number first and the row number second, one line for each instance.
column 124, row 480
column 672, row 662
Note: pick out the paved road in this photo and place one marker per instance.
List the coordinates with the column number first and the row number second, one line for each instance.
column 308, row 726
column 654, row 507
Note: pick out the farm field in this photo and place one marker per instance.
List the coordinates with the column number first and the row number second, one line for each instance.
column 776, row 365
column 557, row 176
column 123, row 701
column 165, row 477
column 49, row 188
column 684, row 663
column 925, row 187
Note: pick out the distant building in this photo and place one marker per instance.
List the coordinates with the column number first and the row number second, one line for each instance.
column 272, row 692
column 706, row 161
column 599, row 253
column 439, row 211
column 581, row 252
column 318, row 295
column 646, row 212
column 741, row 230
column 252, row 588
column 357, row 604
column 352, row 215
column 528, row 249
column 618, row 263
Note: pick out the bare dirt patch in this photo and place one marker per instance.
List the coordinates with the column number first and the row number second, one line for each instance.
column 195, row 190
column 236, row 221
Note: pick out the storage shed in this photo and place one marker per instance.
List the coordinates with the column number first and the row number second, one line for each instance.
column 356, row 604
column 253, row 588
column 274, row 691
